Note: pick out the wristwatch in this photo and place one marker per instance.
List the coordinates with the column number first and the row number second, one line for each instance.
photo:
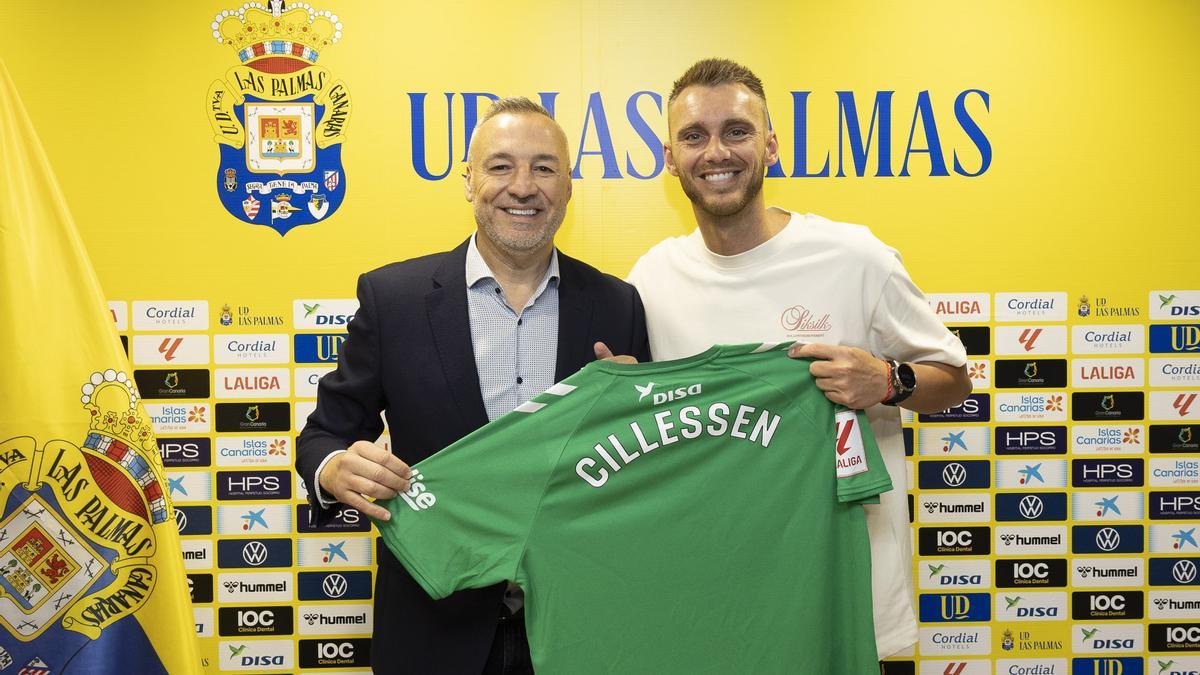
column 902, row 382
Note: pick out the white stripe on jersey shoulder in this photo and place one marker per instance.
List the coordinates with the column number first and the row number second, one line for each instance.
column 561, row 389
column 529, row 407
column 770, row 346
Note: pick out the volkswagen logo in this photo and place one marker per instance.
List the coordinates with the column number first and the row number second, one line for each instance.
column 954, row 474
column 254, row 553
column 1108, row 539
column 1184, row 571
column 1031, row 506
column 334, row 585
column 180, row 520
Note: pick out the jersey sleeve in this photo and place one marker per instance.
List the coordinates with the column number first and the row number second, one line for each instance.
column 861, row 474
column 467, row 515
column 903, row 326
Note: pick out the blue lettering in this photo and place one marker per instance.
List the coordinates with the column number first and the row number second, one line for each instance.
column 933, row 144
column 646, row 134
column 416, row 101
column 973, row 132
column 595, row 109
column 848, row 127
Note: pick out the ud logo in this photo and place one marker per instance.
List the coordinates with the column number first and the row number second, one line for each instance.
column 279, row 119
column 77, row 532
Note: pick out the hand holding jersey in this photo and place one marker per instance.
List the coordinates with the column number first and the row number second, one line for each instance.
column 365, row 471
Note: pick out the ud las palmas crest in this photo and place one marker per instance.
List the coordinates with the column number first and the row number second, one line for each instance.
column 279, row 118
column 77, row 534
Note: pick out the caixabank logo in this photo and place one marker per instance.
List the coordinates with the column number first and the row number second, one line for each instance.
column 278, row 118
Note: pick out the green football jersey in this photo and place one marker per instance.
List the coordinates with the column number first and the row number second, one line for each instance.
column 693, row 516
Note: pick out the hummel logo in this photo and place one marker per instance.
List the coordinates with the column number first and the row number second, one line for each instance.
column 644, row 390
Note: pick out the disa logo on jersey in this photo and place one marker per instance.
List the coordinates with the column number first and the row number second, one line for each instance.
column 667, row 396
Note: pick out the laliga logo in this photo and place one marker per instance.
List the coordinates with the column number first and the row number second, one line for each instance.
column 1183, row 403
column 279, row 119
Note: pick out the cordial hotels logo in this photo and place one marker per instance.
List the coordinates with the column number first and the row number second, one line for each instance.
column 325, row 314
column 170, row 315
column 1031, row 307
column 799, row 320
column 1099, row 439
column 1031, row 540
column 1050, row 407
column 1170, row 372
column 279, row 119
column 1034, row 667
column 1174, row 305
column 1101, row 373
column 264, row 348
column 1102, row 307
column 1116, row 339
column 955, row 640
column 961, row 307
column 1107, row 572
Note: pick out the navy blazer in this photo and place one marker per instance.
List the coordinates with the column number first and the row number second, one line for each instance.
column 409, row 355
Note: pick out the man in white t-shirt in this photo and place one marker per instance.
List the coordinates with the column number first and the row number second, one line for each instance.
column 751, row 273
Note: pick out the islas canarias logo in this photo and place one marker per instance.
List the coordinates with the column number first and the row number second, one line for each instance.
column 77, row 534
column 279, row 119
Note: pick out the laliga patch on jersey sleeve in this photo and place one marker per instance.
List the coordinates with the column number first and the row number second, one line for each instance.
column 851, row 455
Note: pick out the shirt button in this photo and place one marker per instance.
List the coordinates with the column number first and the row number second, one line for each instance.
column 520, row 379
column 518, row 322
column 497, row 290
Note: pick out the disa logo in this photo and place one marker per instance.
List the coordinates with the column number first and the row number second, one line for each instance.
column 661, row 397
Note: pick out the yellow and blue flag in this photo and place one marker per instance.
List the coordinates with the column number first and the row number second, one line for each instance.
column 91, row 570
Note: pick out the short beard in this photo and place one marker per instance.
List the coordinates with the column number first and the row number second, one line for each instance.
column 723, row 209
column 518, row 241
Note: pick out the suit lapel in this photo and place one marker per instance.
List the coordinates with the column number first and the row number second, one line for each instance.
column 574, row 320
column 446, row 305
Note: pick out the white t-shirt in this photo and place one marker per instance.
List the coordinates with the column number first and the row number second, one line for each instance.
column 815, row 281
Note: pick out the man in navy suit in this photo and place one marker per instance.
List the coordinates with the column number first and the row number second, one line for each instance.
column 445, row 343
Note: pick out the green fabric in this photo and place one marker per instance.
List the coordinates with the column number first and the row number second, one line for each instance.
column 739, row 550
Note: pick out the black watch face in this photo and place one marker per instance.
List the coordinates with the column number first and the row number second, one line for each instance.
column 907, row 377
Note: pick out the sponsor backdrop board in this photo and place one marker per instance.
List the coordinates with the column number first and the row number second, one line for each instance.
column 228, row 213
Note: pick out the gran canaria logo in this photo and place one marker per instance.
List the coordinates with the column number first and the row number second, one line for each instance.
column 279, row 118
column 77, row 531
